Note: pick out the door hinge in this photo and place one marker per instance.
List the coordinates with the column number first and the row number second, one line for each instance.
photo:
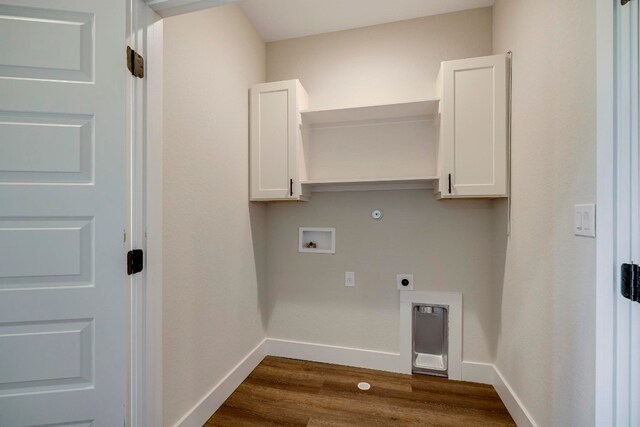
column 135, row 63
column 135, row 261
column 630, row 282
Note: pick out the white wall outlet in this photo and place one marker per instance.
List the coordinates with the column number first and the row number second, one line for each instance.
column 404, row 282
column 584, row 220
column 349, row 279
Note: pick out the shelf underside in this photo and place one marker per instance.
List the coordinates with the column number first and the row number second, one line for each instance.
column 355, row 181
column 369, row 184
column 398, row 111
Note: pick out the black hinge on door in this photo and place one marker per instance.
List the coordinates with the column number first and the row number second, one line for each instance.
column 449, row 183
column 630, row 282
column 135, row 261
column 291, row 187
column 135, row 63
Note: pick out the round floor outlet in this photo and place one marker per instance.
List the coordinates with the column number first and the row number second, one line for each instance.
column 364, row 386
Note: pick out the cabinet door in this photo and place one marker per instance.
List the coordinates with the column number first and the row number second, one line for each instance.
column 273, row 132
column 474, row 127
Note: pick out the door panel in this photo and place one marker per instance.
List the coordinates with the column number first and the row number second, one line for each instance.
column 62, row 213
column 474, row 152
column 46, row 43
column 273, row 128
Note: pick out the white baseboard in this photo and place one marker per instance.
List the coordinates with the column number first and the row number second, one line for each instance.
column 202, row 411
column 347, row 356
column 362, row 358
column 484, row 373
column 515, row 407
column 477, row 372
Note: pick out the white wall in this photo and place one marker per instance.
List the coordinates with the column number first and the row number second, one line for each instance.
column 547, row 339
column 214, row 240
column 447, row 245
column 380, row 64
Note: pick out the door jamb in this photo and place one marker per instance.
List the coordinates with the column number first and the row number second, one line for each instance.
column 605, row 219
column 145, row 225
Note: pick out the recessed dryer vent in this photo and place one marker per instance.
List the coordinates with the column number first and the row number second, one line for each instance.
column 430, row 338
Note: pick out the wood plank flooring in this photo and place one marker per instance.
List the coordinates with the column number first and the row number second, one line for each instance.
column 286, row 392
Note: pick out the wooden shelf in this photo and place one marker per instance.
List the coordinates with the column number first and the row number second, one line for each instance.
column 405, row 110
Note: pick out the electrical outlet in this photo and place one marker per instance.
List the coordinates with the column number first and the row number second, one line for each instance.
column 404, row 282
column 349, row 279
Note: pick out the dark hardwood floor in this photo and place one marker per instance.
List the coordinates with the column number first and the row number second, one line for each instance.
column 286, row 392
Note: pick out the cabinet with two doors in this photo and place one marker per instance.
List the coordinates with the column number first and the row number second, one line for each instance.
column 456, row 144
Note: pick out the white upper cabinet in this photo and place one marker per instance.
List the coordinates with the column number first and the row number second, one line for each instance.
column 457, row 143
column 473, row 128
column 277, row 161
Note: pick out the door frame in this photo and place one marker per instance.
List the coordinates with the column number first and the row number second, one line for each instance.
column 611, row 321
column 144, row 226
column 627, row 381
column 605, row 218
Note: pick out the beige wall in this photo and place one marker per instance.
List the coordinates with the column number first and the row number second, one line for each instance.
column 447, row 245
column 547, row 339
column 213, row 238
column 379, row 64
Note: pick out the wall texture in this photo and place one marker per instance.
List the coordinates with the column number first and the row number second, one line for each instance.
column 214, row 240
column 546, row 335
column 380, row 64
column 447, row 245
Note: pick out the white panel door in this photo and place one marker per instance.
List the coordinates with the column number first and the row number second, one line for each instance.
column 63, row 348
column 274, row 132
column 474, row 127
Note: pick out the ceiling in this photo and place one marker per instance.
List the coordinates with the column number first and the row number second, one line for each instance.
column 285, row 19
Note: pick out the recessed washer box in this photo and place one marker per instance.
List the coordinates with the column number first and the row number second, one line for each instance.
column 317, row 240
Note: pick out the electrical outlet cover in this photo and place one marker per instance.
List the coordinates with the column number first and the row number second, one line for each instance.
column 349, row 279
column 404, row 282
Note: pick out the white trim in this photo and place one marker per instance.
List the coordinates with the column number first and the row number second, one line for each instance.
column 347, row 356
column 166, row 8
column 144, row 229
column 449, row 299
column 208, row 405
column 478, row 372
column 510, row 399
column 153, row 244
column 363, row 358
column 605, row 273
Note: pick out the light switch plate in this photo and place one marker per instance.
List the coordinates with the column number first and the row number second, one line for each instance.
column 349, row 279
column 584, row 220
